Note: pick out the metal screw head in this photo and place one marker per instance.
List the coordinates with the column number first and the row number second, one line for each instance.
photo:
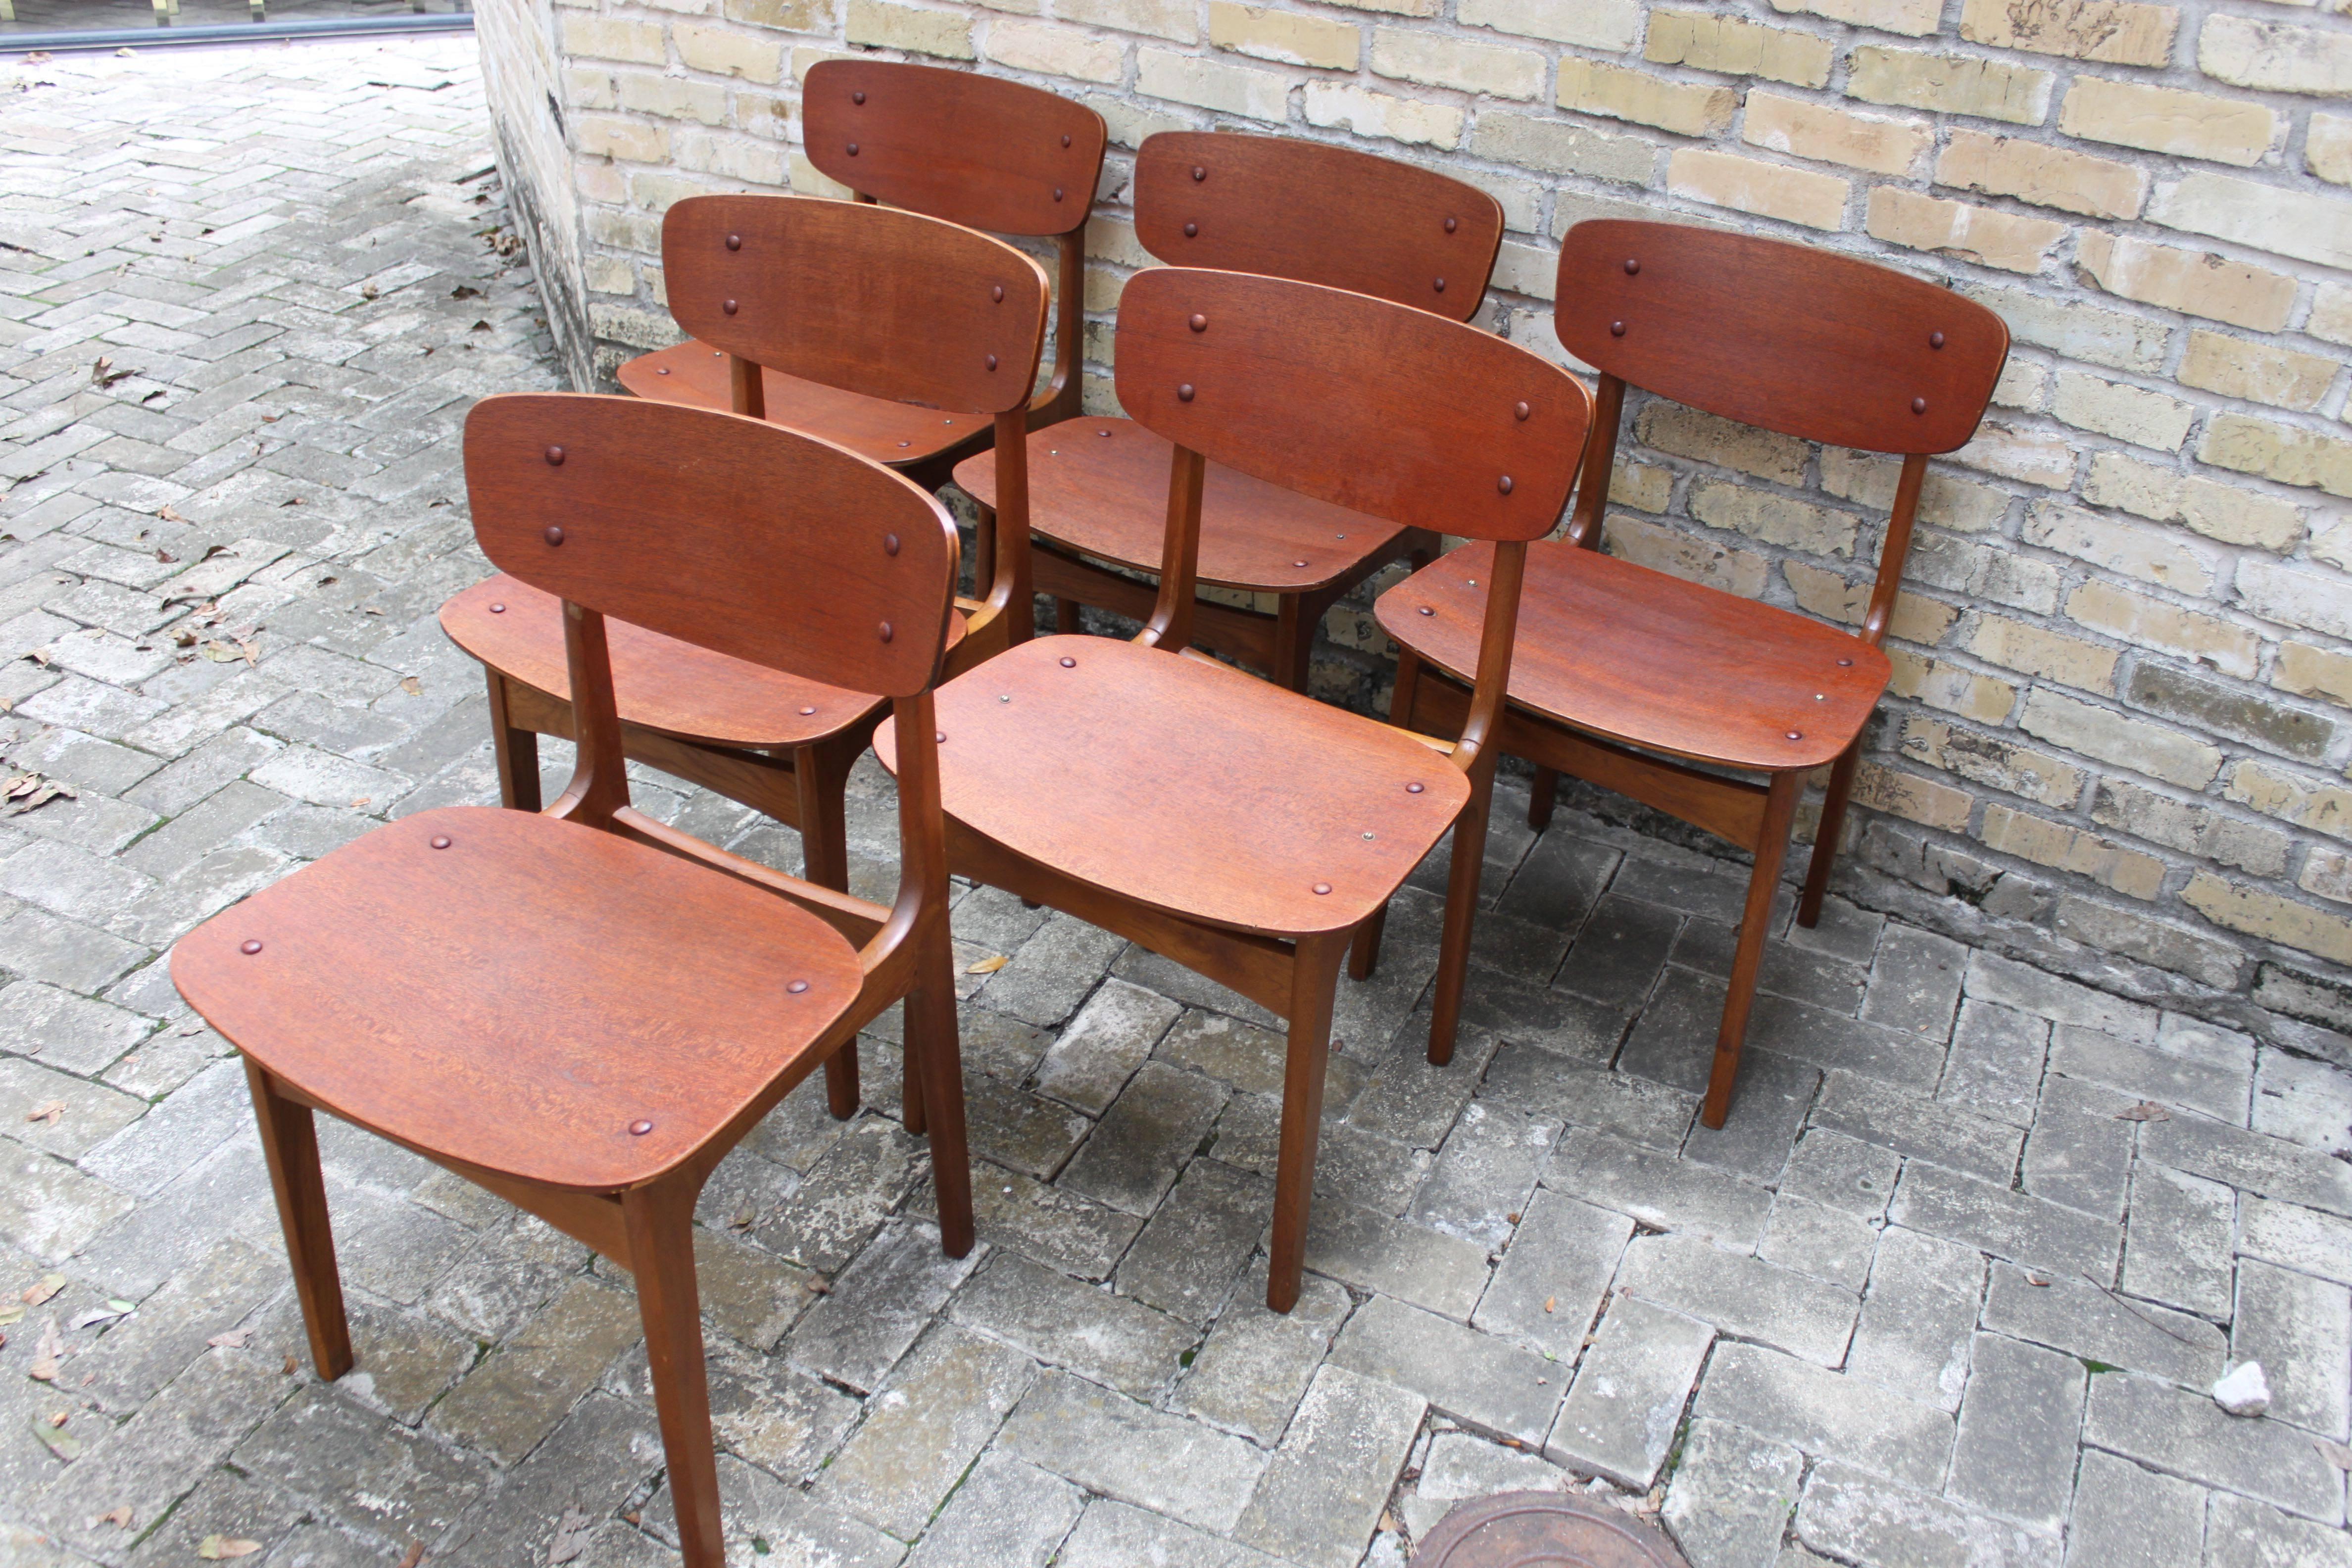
column 1631, row 267
column 734, row 242
column 858, row 97
column 906, row 442
column 1057, row 192
column 1918, row 406
column 640, row 1126
column 250, row 946
column 1427, row 611
column 1322, row 887
column 1068, row 663
column 555, row 456
column 885, row 632
column 498, row 609
column 1191, row 231
column 939, row 738
column 1820, row 697
column 797, row 986
column 661, row 370
column 1935, row 340
column 440, row 841
column 853, row 149
column 1005, row 697
column 1845, row 661
column 1520, row 411
column 1065, row 141
column 1198, row 174
column 1452, row 224
column 1199, row 323
column 1412, row 789
column 1796, row 734
column 1298, row 563
column 728, row 306
column 1184, row 393
column 1616, row 329
column 807, row 712
column 1439, row 284
column 997, row 293
column 1102, row 432
column 889, row 544
column 553, row 535
column 991, row 361
column 1503, row 483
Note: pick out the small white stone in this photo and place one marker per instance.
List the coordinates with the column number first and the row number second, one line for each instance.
column 2243, row 1392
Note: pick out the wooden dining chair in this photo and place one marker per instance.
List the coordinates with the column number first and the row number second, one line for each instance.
column 1626, row 675
column 1287, row 208
column 1241, row 829
column 885, row 304
column 583, row 1011
column 978, row 151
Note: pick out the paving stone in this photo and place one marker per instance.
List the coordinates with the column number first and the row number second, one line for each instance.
column 2146, row 1072
column 2300, row 1329
column 2015, row 1455
column 1370, row 1251
column 877, row 1307
column 1862, row 1519
column 1825, row 1243
column 1658, row 1190
column 1549, row 1288
column 211, row 1109
column 87, row 1113
column 1915, row 982
column 1239, row 1053
column 40, row 946
column 1185, row 1260
column 49, row 1208
column 1004, row 1513
column 1484, row 1174
column 2293, row 1237
column 1742, row 1295
column 2031, row 990
column 68, row 1032
column 864, row 1176
column 1061, row 1322
column 1917, row 1318
column 2243, row 1533
column 1322, row 1493
column 1458, row 1465
column 367, row 1473
column 1921, row 1129
column 2251, row 1161
column 2177, row 1239
column 1470, row 1376
column 756, row 1511
column 1826, row 1414
column 2008, row 1224
column 1841, row 1173
column 1541, row 1083
column 1256, row 1365
column 1620, row 1418
column 1617, row 956
column 923, row 1431
column 139, row 1355
column 1732, row 1497
column 2185, row 1434
column 2126, row 1517
column 1540, row 1017
column 2080, row 1150
column 1415, row 1103
column 1118, row 1449
column 771, row 1415
column 1053, row 972
column 1010, row 1210
column 1168, row 979
column 1775, row 1092
column 1833, row 1041
column 2307, row 1102
column 1104, row 1045
column 2081, row 1318
column 514, row 1398
column 1144, row 1139
column 1019, row 1130
column 1113, row 1535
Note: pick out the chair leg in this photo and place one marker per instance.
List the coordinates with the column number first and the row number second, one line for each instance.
column 822, row 784
column 983, row 551
column 1408, row 687
column 935, row 1076
column 1469, row 860
column 517, row 751
column 1314, row 980
column 1364, row 953
column 1066, row 618
column 1825, row 837
column 659, row 1220
column 1540, row 798
column 289, row 1141
column 1771, row 849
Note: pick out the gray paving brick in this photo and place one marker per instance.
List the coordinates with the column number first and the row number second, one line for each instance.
column 2243, row 1533
column 2177, row 1239
column 512, row 1401
column 1186, row 1259
column 1054, row 971
column 1742, row 1296
column 1062, row 1322
column 2133, row 1518
column 1370, row 1251
column 1826, row 1243
column 2148, row 1072
column 1323, row 1492
column 2251, row 1161
column 1732, row 1497
column 1862, row 1519
column 1143, row 1141
column 1470, row 1376
column 1915, row 1320
column 1827, row 1414
column 1456, row 1465
column 1539, row 1082
column 1915, row 982
column 1620, row 1416
column 1113, row 1535
column 1103, row 1045
column 2293, row 1237
column 754, row 1507
column 1256, row 1365
column 1658, row 1190
column 2185, row 1434
column 1841, row 1173
column 2080, row 1150
column 2031, row 990
column 1116, row 1448
column 2006, row 1224
column 1484, row 1174
column 2074, row 1315
column 1004, row 1513
column 1775, row 1094
column 1922, row 1129
column 1995, row 1062
column 2015, row 1455
column 1024, row 1215
column 952, row 1393
column 2300, row 1329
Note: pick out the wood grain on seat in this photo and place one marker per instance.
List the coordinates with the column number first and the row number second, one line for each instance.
column 1101, row 486
column 695, row 375
column 517, row 1000
column 1634, row 654
column 1187, row 785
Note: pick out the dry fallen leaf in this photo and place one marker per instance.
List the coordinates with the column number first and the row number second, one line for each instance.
column 1389, row 1521
column 167, row 558
column 96, row 1315
column 61, row 1418
column 2337, row 1454
column 43, row 1289
column 117, row 1517
column 104, row 364
column 989, row 966
column 184, row 639
column 214, row 1548
column 234, row 1340
column 2146, row 1110
column 52, row 1113
column 2036, row 1280
column 64, row 1445
column 1551, row 1303
column 39, row 656
column 220, row 652
column 414, row 1555
column 369, row 290
column 361, row 801
column 290, row 1365
column 50, row 1350
column 413, row 686
column 570, row 1537
column 171, row 514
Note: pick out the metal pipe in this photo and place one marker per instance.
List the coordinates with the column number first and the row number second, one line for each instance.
column 236, row 32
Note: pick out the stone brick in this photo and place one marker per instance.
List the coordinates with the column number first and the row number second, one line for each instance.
column 1709, row 41
column 1947, row 84
column 2230, row 711
column 1256, row 1364
column 1687, row 432
column 2259, row 372
column 2296, row 596
column 1116, row 1448
column 2310, row 671
column 2185, row 1434
column 2043, row 176
column 1169, row 19
column 1619, row 1419
column 2152, row 623
column 2128, row 413
column 1658, row 1190
column 2005, row 240
column 2116, row 32
column 2198, row 282
column 2218, row 511
column 2126, row 1514
column 724, row 52
column 1862, row 1519
column 2300, row 1329
column 1323, row 1492
column 1057, row 51
column 513, row 1399
column 2015, row 1454
column 1764, row 190
column 1470, row 1376
column 2007, row 1223
column 1371, row 1251
column 1875, row 141
column 1916, row 18
column 1824, row 1414
column 1384, row 114
column 2167, row 120
column 1621, row 92
column 2266, row 915
column 1560, row 148
column 1742, row 1295
column 2243, row 1533
column 2304, row 226
column 1610, row 24
column 1062, row 1322
column 2275, row 57
column 2035, row 650
column 1289, row 37
column 613, row 38
column 673, row 98
column 1732, row 1494
column 913, row 1448
column 885, row 24
column 611, row 136
column 1555, row 1275
column 2327, row 148
column 2275, row 793
column 1414, row 55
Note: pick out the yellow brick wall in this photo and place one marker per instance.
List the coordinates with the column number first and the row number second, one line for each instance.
column 2124, row 664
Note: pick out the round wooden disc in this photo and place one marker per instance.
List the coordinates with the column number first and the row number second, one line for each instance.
column 1543, row 1529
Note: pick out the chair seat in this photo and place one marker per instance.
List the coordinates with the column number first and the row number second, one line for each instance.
column 1634, row 654
column 695, row 373
column 1100, row 487
column 517, row 1000
column 661, row 683
column 1188, row 785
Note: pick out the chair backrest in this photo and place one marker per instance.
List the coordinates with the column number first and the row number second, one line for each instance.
column 1319, row 213
column 872, row 300
column 1788, row 337
column 974, row 150
column 731, row 533
column 1352, row 400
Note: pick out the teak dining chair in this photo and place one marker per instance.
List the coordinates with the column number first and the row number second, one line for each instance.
column 584, row 1011
column 1286, row 208
column 1624, row 676
column 1241, row 829
column 881, row 303
column 977, row 150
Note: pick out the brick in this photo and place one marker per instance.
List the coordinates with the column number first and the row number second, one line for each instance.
column 2043, row 176
column 611, row 136
column 2015, row 1454
column 1657, row 1189
column 1824, row 1413
column 1912, row 798
column 1915, row 18
column 1948, row 84
column 2229, row 710
column 791, row 16
column 1621, row 92
column 2296, row 596
column 1555, row 1274
column 2243, row 1533
column 2118, row 738
column 1560, row 148
column 2285, row 453
column 2218, row 511
column 2189, row 827
column 1610, row 24
column 1055, row 51
column 673, row 98
column 2167, row 120
column 2274, row 57
column 611, row 39
column 1865, row 1520
column 2185, row 1434
column 2258, row 373
column 1062, row 1322
column 2259, row 914
column 1993, row 760
column 885, row 24
column 2327, row 148
column 1620, row 1418
column 1764, row 190
column 1993, row 1218
column 2198, row 282
column 1289, row 37
column 2310, row 671
column 2300, row 1329
column 1414, row 54
column 2055, row 844
column 2153, row 623
column 912, row 1450
column 2116, row 32
column 1114, row 1446
column 1322, row 1494
column 2128, row 413
column 1465, row 1375
column 2035, row 650
column 1742, row 1295
column 2078, row 331
column 2145, row 554
column 1382, row 114
column 2326, row 806
column 2304, row 226
column 2005, row 240
column 1732, row 1494
column 1688, row 433
column 1709, row 41
column 1875, row 141
column 1779, row 520
column 724, row 52
column 1171, row 20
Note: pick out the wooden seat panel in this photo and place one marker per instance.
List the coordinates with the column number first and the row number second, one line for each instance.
column 662, row 683
column 1188, row 785
column 1637, row 655
column 1101, row 486
column 695, row 373
column 519, row 999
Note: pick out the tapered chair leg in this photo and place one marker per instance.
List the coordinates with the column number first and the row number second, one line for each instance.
column 935, row 1077
column 821, row 782
column 1314, row 982
column 1364, row 952
column 1747, row 957
column 1541, row 796
column 1066, row 618
column 1825, row 837
column 659, row 1220
column 517, row 751
column 289, row 1141
column 1408, row 687
column 1294, row 642
column 1462, row 880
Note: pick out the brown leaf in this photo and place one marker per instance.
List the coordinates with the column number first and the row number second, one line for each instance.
column 1551, row 1303
column 220, row 652
column 117, row 1517
column 64, row 1445
column 2337, row 1454
column 104, row 364
column 61, row 1418
column 50, row 1350
column 989, row 964
column 369, row 290
column 1389, row 1521
column 290, row 1365
column 462, row 291
column 361, row 801
column 167, row 558
column 39, row 656
column 570, row 1537
column 170, row 513
column 52, row 1113
column 414, row 1555
column 184, row 639
column 413, row 686
column 43, row 1289
column 251, row 649
column 2036, row 1280
column 214, row 1548
column 234, row 1340
column 2146, row 1110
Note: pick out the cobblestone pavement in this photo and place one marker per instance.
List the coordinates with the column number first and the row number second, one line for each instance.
column 1946, row 1291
